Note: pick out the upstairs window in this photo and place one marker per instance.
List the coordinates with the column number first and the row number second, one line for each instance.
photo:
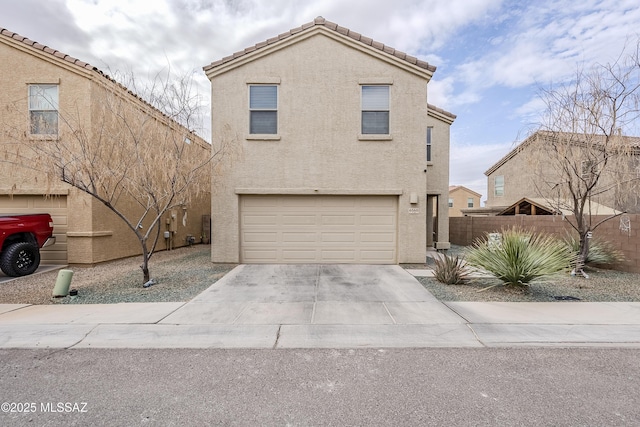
column 263, row 109
column 470, row 202
column 450, row 203
column 429, row 130
column 43, row 109
column 375, row 110
column 589, row 168
column 498, row 186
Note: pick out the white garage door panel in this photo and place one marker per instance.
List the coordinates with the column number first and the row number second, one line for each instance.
column 377, row 237
column 317, row 229
column 299, row 237
column 56, row 206
column 299, row 255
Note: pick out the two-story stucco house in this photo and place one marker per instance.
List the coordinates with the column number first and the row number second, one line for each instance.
column 528, row 172
column 460, row 199
column 340, row 157
column 39, row 87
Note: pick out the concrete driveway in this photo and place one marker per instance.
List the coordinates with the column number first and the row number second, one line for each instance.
column 315, row 295
column 299, row 306
column 314, row 305
column 41, row 269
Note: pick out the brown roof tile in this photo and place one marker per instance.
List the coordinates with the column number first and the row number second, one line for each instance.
column 333, row 27
column 34, row 45
column 38, row 46
column 441, row 111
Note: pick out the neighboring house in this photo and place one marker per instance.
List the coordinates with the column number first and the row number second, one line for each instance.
column 518, row 176
column 86, row 231
column 460, row 198
column 341, row 159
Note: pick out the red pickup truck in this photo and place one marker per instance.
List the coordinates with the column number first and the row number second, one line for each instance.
column 21, row 237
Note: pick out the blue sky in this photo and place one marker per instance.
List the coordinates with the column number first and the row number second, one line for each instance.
column 492, row 55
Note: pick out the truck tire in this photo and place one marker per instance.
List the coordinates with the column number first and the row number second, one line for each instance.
column 20, row 259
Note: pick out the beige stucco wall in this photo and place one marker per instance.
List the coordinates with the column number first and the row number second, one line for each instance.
column 531, row 176
column 318, row 149
column 95, row 234
column 460, row 198
column 519, row 181
column 437, row 174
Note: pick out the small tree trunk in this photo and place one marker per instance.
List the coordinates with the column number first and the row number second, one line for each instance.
column 145, row 271
column 583, row 253
column 145, row 261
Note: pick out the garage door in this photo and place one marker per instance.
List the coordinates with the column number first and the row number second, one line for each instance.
column 318, row 229
column 56, row 206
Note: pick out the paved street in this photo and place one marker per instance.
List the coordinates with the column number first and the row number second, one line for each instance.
column 400, row 387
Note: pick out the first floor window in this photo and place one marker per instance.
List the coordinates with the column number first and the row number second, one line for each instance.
column 429, row 130
column 498, row 186
column 375, row 110
column 43, row 109
column 263, row 109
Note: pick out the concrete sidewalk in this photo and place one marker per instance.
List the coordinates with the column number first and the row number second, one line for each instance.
column 330, row 306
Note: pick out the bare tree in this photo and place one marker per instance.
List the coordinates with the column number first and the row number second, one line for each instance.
column 133, row 151
column 581, row 152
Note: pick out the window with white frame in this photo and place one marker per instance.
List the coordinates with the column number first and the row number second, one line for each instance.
column 450, row 203
column 375, row 110
column 470, row 202
column 43, row 109
column 263, row 109
column 498, row 185
column 429, row 131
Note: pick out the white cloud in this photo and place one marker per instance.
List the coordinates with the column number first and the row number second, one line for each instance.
column 524, row 44
column 468, row 163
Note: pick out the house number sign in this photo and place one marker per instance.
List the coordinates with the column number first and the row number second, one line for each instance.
column 414, row 210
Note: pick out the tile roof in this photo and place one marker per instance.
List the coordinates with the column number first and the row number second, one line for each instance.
column 320, row 21
column 573, row 138
column 441, row 111
column 47, row 49
column 70, row 59
column 453, row 188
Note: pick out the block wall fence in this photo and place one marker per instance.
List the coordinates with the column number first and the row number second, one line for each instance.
column 464, row 230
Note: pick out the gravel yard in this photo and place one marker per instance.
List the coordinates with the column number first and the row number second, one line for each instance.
column 181, row 274
column 184, row 273
column 602, row 285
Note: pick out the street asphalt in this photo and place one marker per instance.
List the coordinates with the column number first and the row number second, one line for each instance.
column 319, row 306
column 321, row 387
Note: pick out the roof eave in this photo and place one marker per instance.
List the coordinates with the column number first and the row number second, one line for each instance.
column 320, row 26
column 440, row 114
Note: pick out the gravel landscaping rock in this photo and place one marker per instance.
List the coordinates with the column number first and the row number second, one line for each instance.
column 181, row 274
column 602, row 285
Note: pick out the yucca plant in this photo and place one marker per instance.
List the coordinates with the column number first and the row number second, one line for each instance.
column 450, row 270
column 521, row 257
column 601, row 252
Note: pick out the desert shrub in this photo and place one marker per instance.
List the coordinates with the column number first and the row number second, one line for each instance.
column 450, row 270
column 601, row 252
column 521, row 256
